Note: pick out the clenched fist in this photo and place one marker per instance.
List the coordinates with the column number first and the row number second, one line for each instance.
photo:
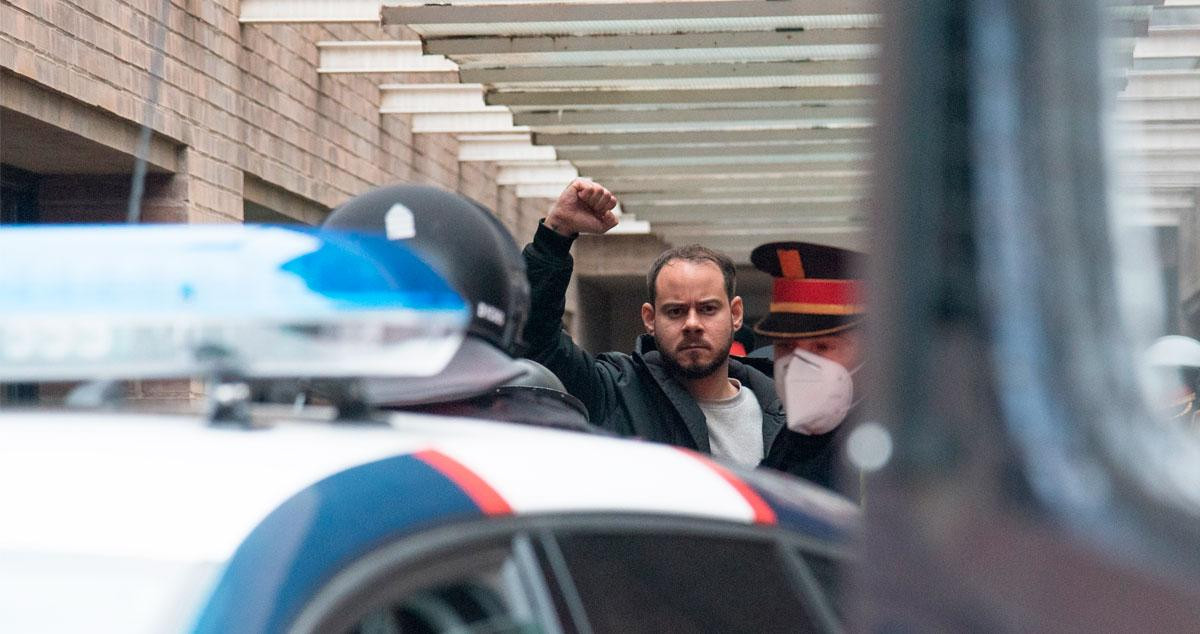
column 583, row 207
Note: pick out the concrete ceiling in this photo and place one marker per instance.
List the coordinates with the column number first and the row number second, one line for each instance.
column 726, row 122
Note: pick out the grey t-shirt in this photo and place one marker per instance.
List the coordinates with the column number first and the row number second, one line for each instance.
column 735, row 428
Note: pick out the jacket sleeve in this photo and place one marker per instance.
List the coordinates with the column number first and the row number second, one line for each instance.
column 549, row 264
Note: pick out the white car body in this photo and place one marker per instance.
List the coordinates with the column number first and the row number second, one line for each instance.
column 128, row 520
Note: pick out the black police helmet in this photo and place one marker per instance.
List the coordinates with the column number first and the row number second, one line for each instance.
column 459, row 238
column 537, row 379
column 534, row 396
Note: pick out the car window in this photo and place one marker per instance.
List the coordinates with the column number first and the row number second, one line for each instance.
column 479, row 602
column 666, row 582
column 827, row 572
column 465, row 587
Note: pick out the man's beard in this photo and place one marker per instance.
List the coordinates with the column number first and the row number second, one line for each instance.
column 695, row 372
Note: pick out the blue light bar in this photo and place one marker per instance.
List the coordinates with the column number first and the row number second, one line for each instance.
column 162, row 301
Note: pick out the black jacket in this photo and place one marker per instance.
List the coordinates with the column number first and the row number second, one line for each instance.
column 634, row 394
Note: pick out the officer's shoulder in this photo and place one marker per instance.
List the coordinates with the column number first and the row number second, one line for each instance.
column 754, row 364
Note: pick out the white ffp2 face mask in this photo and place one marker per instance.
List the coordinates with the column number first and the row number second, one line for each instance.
column 816, row 392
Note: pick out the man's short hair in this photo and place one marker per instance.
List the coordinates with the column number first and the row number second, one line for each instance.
column 694, row 253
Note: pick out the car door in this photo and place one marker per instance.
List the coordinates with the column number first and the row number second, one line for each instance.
column 588, row 574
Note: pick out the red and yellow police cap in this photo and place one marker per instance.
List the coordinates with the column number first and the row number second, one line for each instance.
column 815, row 292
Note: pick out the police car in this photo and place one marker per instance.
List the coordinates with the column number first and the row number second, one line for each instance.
column 271, row 518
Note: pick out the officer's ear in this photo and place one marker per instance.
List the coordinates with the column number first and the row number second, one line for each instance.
column 737, row 311
column 648, row 317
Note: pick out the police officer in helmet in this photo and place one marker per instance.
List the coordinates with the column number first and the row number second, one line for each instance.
column 476, row 255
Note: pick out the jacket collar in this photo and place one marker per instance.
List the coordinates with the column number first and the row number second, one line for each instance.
column 644, row 344
column 758, row 382
column 683, row 402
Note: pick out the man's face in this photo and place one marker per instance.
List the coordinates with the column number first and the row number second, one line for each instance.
column 844, row 347
column 692, row 320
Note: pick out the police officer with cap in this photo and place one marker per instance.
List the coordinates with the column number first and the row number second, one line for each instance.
column 815, row 312
column 476, row 255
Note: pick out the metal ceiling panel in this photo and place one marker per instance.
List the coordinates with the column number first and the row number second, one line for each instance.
column 795, row 169
column 736, row 118
column 622, row 57
column 651, row 27
column 730, row 122
column 792, row 192
column 842, row 212
column 686, row 161
column 561, row 17
column 843, row 215
column 646, row 76
column 626, row 183
column 569, row 99
column 581, row 155
column 626, row 139
column 499, row 48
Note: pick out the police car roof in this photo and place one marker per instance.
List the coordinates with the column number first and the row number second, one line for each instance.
column 211, row 485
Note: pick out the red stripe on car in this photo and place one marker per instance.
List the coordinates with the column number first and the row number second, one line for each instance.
column 763, row 513
column 480, row 492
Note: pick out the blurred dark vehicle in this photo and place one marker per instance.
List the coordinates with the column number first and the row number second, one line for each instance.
column 1027, row 487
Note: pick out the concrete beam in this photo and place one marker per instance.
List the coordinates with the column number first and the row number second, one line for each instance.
column 1157, row 110
column 628, row 224
column 539, row 190
column 670, row 56
column 502, row 147
column 1162, row 85
column 488, row 119
column 714, row 161
column 501, row 48
column 1157, row 137
column 628, row 139
column 660, row 182
column 558, row 173
column 796, row 169
column 302, row 11
column 89, row 140
column 526, row 100
column 618, row 154
column 735, row 194
column 1172, row 179
column 414, row 98
column 510, row 18
column 714, row 118
column 1168, row 43
column 650, row 76
column 400, row 56
column 810, row 213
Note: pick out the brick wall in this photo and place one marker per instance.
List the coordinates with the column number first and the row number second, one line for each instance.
column 242, row 115
column 237, row 102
